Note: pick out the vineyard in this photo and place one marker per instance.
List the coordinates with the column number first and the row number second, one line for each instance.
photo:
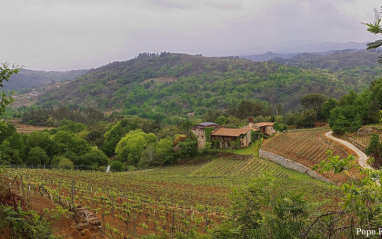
column 173, row 200
column 307, row 147
column 361, row 139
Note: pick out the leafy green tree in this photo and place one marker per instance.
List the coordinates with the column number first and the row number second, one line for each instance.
column 169, row 131
column 116, row 166
column 233, row 122
column 292, row 118
column 17, row 143
column 68, row 125
column 16, row 157
column 67, row 141
column 131, row 146
column 10, row 153
column 95, row 137
column 56, row 160
column 116, row 132
column 112, row 137
column 221, row 120
column 307, row 119
column 313, row 100
column 185, row 126
column 279, row 126
column 373, row 113
column 42, row 140
column 148, row 156
column 327, row 106
column 188, row 148
column 37, row 156
column 374, row 148
column 375, row 28
column 95, row 156
column 5, row 74
column 5, row 152
column 7, row 129
column 164, row 151
column 66, row 164
column 376, row 89
column 72, row 157
column 344, row 119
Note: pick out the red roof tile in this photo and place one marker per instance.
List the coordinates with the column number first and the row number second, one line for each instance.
column 230, row 132
column 249, row 127
column 262, row 124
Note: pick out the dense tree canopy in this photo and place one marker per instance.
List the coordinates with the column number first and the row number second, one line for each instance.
column 131, row 146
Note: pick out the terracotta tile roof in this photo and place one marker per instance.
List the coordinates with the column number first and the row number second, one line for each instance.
column 249, row 127
column 262, row 124
column 230, row 132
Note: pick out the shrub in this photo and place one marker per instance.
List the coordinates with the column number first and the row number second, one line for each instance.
column 37, row 156
column 95, row 156
column 66, row 164
column 56, row 160
column 101, row 168
column 116, row 166
column 130, row 168
column 188, row 148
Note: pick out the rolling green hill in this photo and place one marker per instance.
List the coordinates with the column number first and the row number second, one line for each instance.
column 31, row 79
column 169, row 84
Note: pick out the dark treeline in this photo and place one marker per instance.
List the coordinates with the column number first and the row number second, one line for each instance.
column 83, row 139
column 52, row 116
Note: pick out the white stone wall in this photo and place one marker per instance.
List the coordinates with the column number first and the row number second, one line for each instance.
column 287, row 163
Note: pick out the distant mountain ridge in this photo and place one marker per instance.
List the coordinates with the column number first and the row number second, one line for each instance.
column 32, row 78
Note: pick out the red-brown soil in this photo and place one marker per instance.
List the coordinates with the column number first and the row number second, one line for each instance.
column 291, row 145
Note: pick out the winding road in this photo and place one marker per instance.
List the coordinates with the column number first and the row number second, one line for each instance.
column 362, row 158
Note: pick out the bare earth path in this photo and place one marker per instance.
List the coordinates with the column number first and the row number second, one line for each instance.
column 362, row 158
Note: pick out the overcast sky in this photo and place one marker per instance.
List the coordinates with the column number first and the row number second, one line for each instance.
column 77, row 34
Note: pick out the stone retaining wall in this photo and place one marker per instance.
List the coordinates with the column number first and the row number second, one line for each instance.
column 287, row 163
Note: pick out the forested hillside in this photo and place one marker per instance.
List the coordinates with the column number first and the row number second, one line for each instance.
column 344, row 60
column 159, row 85
column 30, row 78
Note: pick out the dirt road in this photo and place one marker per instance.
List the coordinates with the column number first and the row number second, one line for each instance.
column 362, row 157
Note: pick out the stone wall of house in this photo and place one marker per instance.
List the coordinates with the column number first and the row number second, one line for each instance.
column 270, row 130
column 287, row 163
column 247, row 139
column 200, row 136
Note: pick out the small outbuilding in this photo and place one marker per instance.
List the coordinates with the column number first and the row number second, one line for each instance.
column 262, row 127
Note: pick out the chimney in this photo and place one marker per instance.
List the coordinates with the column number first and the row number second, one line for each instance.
column 250, row 122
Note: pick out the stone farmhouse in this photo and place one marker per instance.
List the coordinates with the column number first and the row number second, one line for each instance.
column 263, row 127
column 228, row 138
